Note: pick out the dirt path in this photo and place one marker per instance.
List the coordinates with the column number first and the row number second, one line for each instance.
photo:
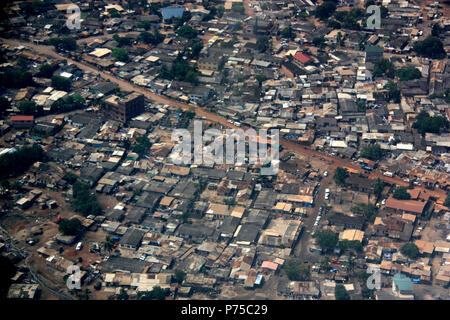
column 125, row 85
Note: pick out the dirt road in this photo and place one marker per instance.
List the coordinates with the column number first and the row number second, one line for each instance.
column 334, row 162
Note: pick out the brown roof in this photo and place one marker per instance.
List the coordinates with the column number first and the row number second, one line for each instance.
column 406, row 205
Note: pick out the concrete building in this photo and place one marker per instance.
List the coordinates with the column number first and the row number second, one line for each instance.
column 123, row 109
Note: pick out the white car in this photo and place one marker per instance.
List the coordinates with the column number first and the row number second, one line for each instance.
column 327, row 196
column 325, row 174
column 79, row 246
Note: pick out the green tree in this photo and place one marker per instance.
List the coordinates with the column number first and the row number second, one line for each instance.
column 30, row 108
column 120, row 54
column 378, row 186
column 113, row 13
column 142, row 146
column 410, row 250
column 341, row 293
column 447, row 200
column 426, row 123
column 327, row 239
column 262, row 43
column 109, row 244
column 4, row 105
column 372, row 152
column 296, row 270
column 436, row 30
column 325, row 10
column 156, row 294
column 61, row 83
column 70, row 227
column 340, row 175
column 123, row 295
column 122, row 41
column 186, row 31
column 431, row 47
column 409, row 73
column 14, row 163
column 154, row 38
column 288, row 33
column 394, row 93
column 401, row 193
column 46, row 71
column 179, row 276
column 84, row 201
column 384, row 67
column 67, row 43
column 319, row 42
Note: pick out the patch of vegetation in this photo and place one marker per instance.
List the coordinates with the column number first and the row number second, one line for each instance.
column 61, row 83
column 410, row 250
column 154, row 38
column 65, row 43
column 409, row 73
column 367, row 210
column 142, row 145
column 12, row 164
column 186, row 31
column 84, row 201
column 372, row 152
column 401, row 193
column 327, row 239
column 394, row 93
column 72, row 227
column 383, row 67
column 325, row 10
column 341, row 293
column 426, row 123
column 340, row 174
column 431, row 47
column 296, row 270
column 120, row 54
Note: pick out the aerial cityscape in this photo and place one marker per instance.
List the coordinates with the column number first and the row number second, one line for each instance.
column 225, row 150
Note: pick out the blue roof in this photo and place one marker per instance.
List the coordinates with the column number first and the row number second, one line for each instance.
column 171, row 12
column 402, row 282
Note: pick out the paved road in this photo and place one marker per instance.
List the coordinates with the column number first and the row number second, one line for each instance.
column 301, row 248
column 125, row 85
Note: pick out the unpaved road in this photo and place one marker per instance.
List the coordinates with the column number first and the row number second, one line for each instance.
column 334, row 162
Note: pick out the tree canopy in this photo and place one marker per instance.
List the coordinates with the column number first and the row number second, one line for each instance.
column 409, row 73
column 384, row 67
column 296, row 270
column 186, row 31
column 61, row 83
column 340, row 175
column 72, row 227
column 325, row 10
column 401, row 193
column 341, row 293
column 426, row 123
column 431, row 47
column 372, row 152
column 327, row 239
column 410, row 250
column 12, row 164
column 120, row 54
column 84, row 201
